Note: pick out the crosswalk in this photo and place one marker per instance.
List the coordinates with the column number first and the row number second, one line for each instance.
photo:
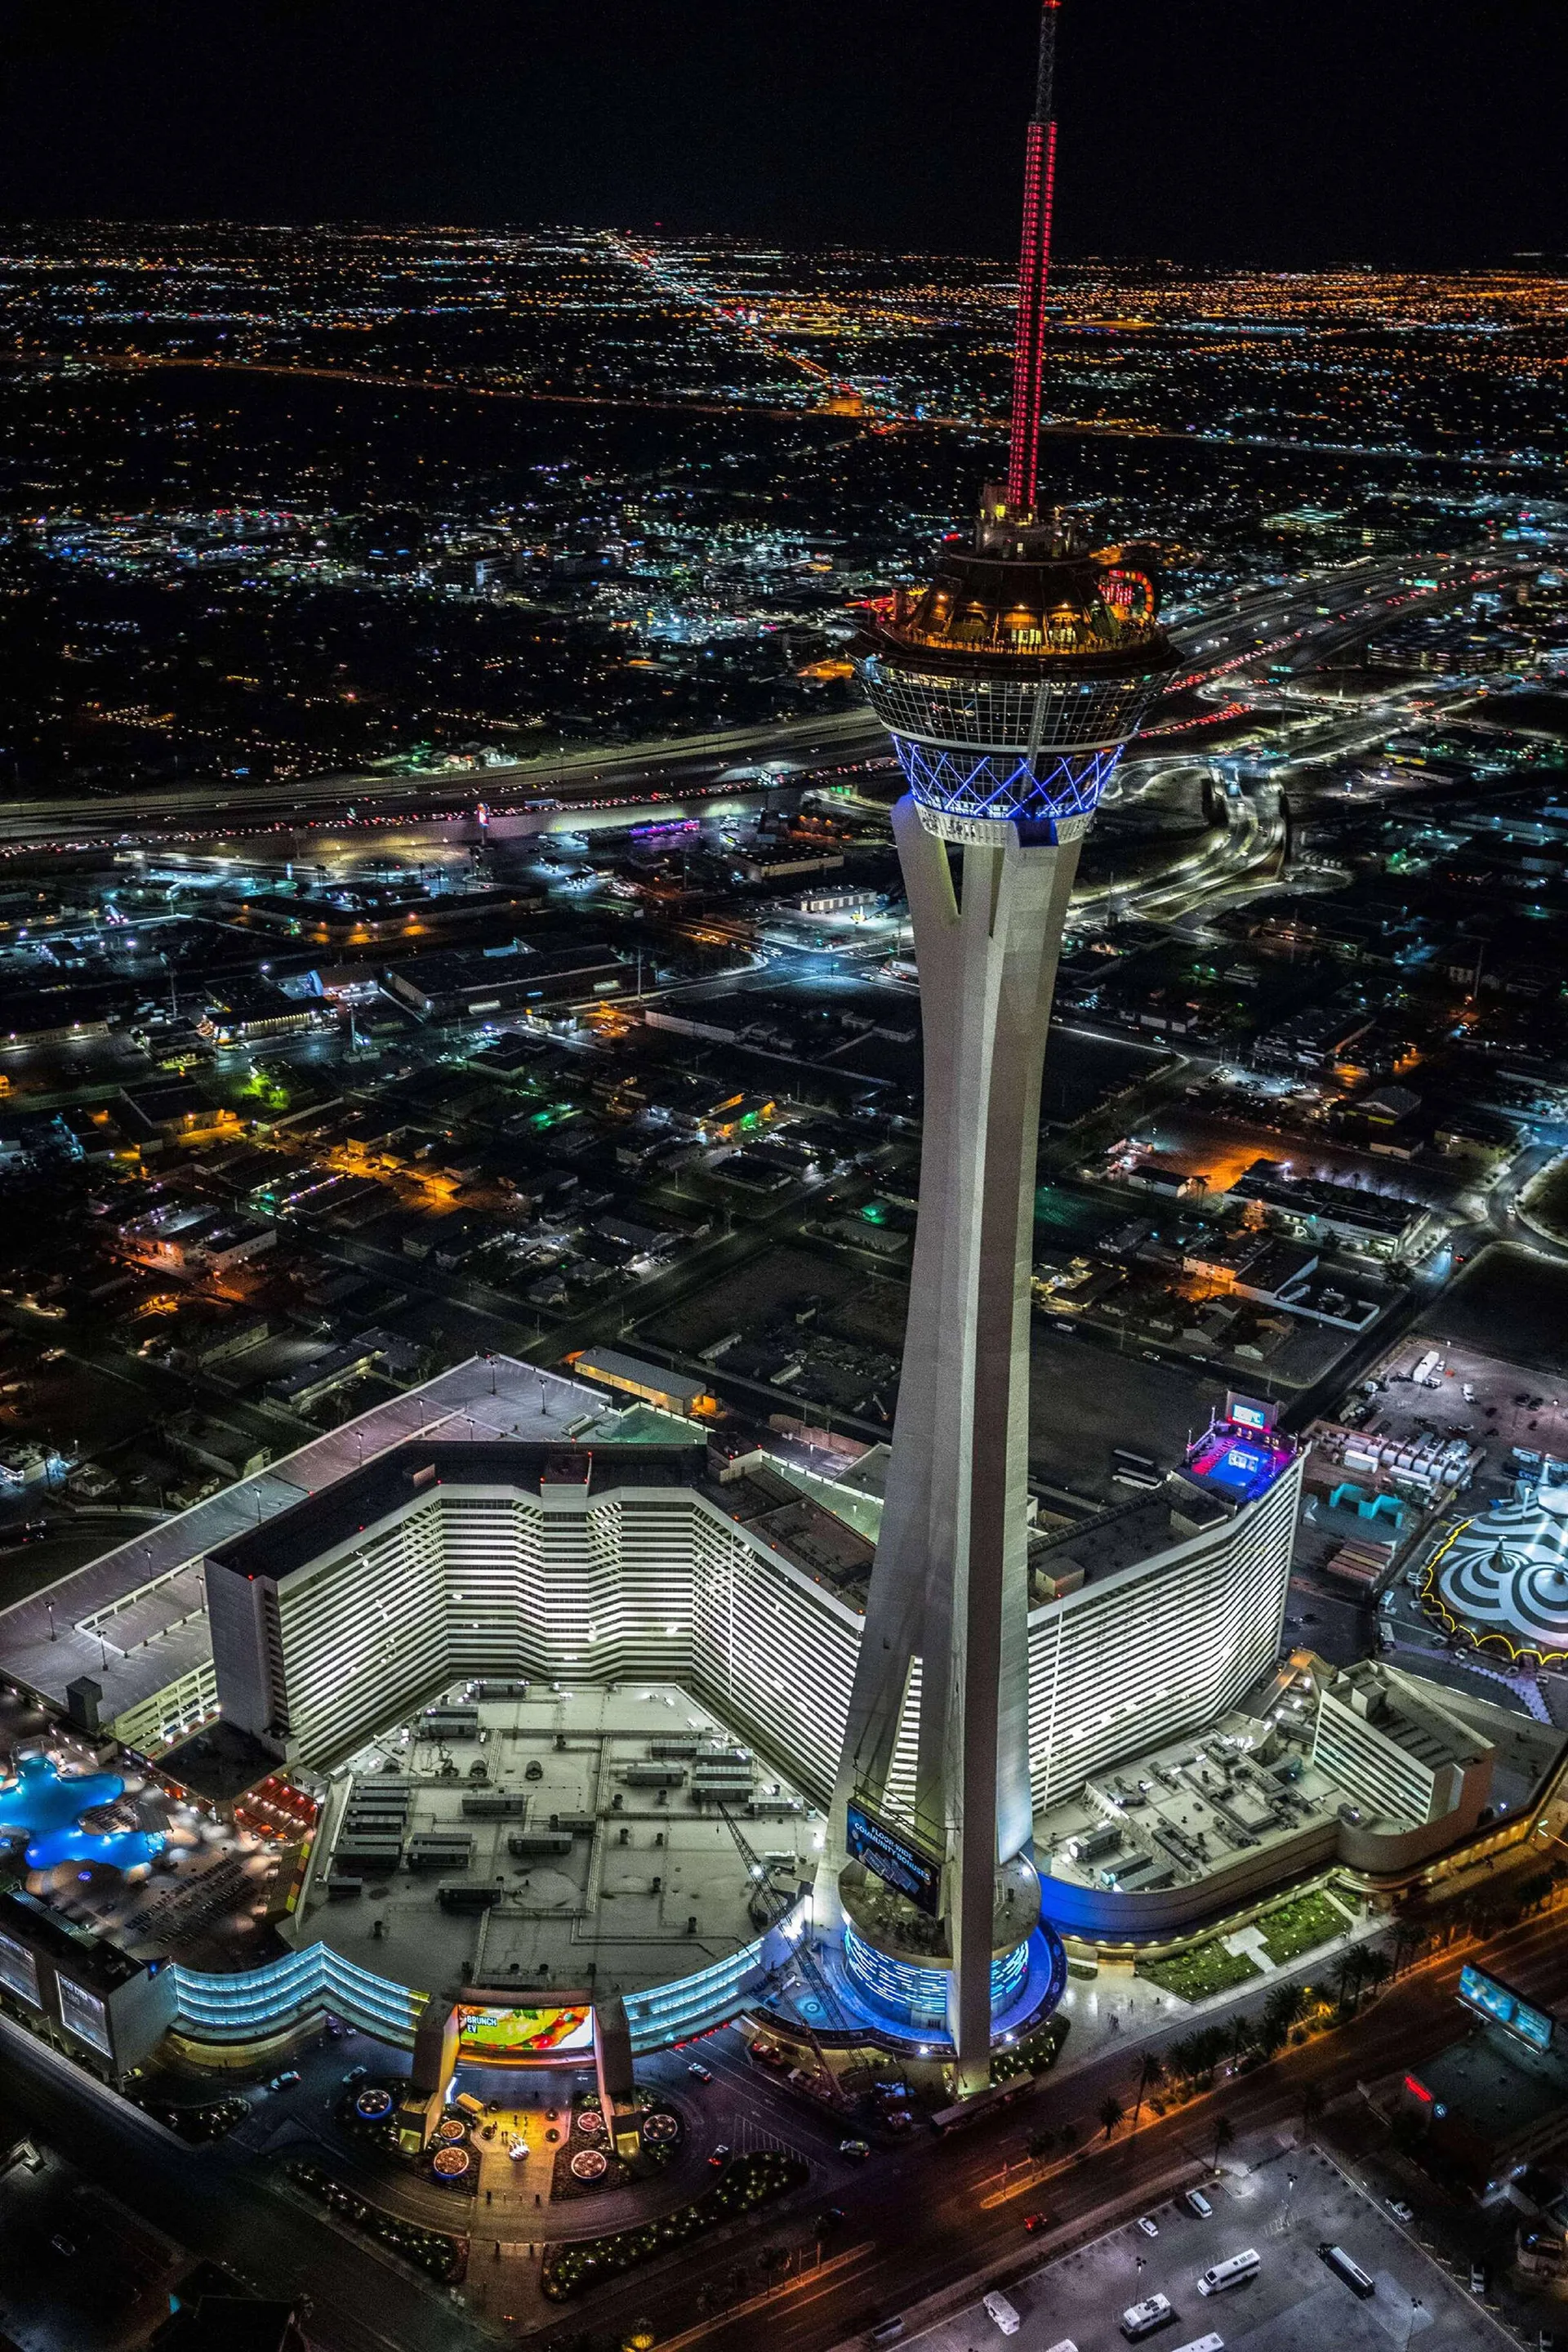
column 755, row 2138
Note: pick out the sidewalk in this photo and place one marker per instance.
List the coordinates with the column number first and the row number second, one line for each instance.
column 1117, row 2011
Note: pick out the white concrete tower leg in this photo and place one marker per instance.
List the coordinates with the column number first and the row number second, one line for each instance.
column 950, row 1584
column 897, row 1604
column 1014, row 908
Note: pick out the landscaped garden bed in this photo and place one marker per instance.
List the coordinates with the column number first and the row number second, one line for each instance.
column 585, row 2163
column 209, row 2121
column 748, row 2182
column 443, row 2257
column 1300, row 1926
column 1206, row 1968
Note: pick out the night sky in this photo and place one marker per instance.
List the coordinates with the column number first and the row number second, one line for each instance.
column 1270, row 132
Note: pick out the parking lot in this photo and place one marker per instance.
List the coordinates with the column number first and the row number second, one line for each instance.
column 1284, row 2202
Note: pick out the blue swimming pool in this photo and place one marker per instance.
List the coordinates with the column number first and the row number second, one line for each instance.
column 46, row 1807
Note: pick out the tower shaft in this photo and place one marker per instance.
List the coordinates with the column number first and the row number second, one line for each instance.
column 951, row 1587
column 1034, row 277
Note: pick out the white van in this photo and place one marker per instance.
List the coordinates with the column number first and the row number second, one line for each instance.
column 998, row 2308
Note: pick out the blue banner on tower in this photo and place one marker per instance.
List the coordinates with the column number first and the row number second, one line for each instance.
column 902, row 1866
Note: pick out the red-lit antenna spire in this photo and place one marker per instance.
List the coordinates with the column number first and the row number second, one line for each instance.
column 1034, row 274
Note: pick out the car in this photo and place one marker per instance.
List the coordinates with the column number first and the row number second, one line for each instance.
column 703, row 2074
column 1035, row 2222
column 286, row 2081
column 1147, row 2223
column 720, row 2156
column 1478, row 2278
column 1400, row 2210
column 830, row 2218
column 1197, row 2202
column 356, row 2075
column 856, row 2150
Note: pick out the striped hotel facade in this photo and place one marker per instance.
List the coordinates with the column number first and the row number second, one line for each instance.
column 658, row 1581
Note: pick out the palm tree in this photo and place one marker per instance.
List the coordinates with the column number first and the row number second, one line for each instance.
column 1407, row 1941
column 1040, row 2143
column 1151, row 2074
column 1348, row 1981
column 1110, row 2113
column 1209, row 2047
column 1183, row 2058
column 1224, row 2134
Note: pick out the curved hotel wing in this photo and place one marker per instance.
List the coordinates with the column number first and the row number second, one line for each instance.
column 343, row 1593
column 440, row 1562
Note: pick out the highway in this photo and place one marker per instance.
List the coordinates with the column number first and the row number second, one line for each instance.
column 833, row 409
column 1297, row 621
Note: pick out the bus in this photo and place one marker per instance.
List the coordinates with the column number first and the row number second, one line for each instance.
column 1141, row 2319
column 1234, row 2272
column 1344, row 2266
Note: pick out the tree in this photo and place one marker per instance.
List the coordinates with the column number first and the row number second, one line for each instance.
column 1067, row 2136
column 1224, row 2136
column 1040, row 2143
column 1285, row 2005
column 1151, row 2074
column 1376, row 1971
column 1111, row 2112
column 1183, row 2057
column 1407, row 1941
column 1209, row 2047
column 1348, row 1981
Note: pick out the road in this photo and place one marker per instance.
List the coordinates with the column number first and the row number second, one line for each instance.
column 228, row 2212
column 927, row 2219
column 1086, row 428
column 917, row 2221
column 1299, row 621
column 610, row 780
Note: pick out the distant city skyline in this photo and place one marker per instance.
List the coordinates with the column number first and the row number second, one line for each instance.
column 1288, row 138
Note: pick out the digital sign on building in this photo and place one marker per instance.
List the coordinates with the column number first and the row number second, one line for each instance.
column 895, row 1859
column 1251, row 1413
column 1494, row 2001
column 19, row 1969
column 85, row 2014
column 507, row 2035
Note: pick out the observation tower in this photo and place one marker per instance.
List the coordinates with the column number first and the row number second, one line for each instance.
column 1010, row 685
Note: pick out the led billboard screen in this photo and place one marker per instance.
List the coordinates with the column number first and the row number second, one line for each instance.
column 19, row 1969
column 505, row 2035
column 85, row 2014
column 1493, row 2000
column 896, row 1860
